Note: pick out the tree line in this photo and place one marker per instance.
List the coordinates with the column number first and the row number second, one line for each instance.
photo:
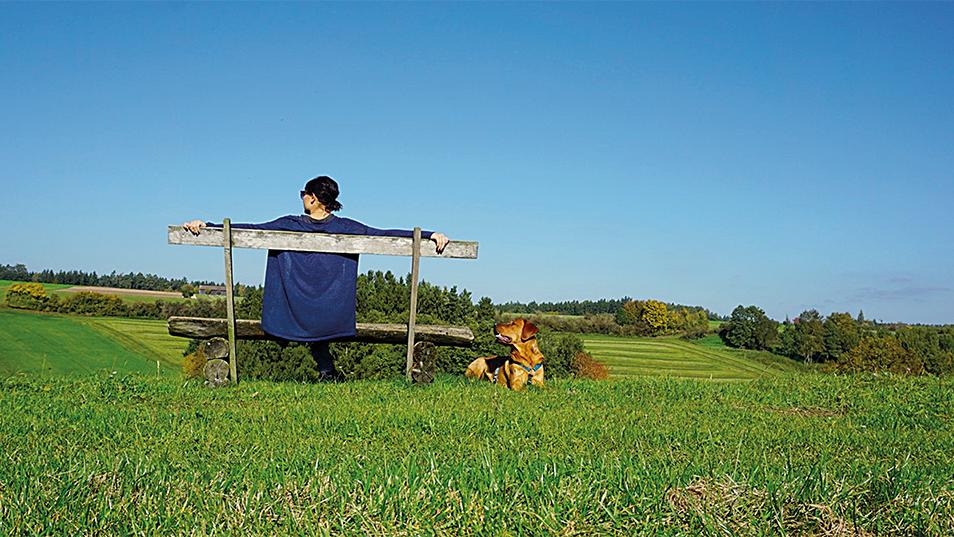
column 129, row 280
column 609, row 306
column 844, row 342
column 632, row 318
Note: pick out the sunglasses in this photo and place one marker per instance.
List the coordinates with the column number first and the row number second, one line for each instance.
column 303, row 192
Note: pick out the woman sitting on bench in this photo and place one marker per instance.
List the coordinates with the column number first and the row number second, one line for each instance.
column 310, row 296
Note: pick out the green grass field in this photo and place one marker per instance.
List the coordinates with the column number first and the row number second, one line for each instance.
column 71, row 344
column 146, row 336
column 5, row 284
column 804, row 454
column 670, row 356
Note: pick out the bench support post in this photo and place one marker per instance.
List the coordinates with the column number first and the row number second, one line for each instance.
column 412, row 314
column 230, row 298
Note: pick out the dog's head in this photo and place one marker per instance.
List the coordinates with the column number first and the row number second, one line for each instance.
column 520, row 335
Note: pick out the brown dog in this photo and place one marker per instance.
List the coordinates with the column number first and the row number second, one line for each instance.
column 523, row 366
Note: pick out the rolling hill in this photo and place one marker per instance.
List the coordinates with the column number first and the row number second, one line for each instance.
column 674, row 357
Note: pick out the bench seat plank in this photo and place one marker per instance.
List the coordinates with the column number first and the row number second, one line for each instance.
column 204, row 328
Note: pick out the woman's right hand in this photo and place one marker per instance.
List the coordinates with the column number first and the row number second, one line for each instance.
column 194, row 226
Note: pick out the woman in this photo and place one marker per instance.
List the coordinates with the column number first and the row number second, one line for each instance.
column 310, row 296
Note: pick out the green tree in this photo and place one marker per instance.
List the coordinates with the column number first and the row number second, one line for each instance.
column 841, row 334
column 809, row 335
column 876, row 354
column 749, row 328
column 187, row 290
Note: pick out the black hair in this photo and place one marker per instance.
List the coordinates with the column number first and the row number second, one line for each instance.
column 326, row 190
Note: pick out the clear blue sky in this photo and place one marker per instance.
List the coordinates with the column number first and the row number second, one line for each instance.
column 786, row 155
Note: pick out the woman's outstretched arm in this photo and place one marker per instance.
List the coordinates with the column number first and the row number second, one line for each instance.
column 440, row 240
column 279, row 224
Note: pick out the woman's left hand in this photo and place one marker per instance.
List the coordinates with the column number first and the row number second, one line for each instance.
column 440, row 240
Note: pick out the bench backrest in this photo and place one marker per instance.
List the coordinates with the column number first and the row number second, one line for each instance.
column 227, row 238
column 320, row 242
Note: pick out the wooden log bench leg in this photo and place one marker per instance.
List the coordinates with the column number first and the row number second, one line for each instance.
column 424, row 364
column 217, row 366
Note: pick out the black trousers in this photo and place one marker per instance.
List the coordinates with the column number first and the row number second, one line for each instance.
column 320, row 351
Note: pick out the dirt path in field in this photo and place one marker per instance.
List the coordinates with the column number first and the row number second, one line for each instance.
column 119, row 291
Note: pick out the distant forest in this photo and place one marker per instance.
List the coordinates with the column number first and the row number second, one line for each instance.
column 591, row 307
column 153, row 282
column 138, row 280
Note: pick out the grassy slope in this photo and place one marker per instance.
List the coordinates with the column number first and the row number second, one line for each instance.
column 670, row 356
column 66, row 344
column 795, row 454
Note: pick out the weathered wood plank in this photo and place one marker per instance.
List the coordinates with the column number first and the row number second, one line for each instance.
column 230, row 299
column 320, row 242
column 412, row 316
column 204, row 328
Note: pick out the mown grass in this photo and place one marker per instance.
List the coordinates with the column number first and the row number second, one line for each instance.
column 70, row 344
column 148, row 337
column 674, row 357
column 792, row 454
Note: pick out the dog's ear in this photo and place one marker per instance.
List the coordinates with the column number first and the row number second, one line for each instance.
column 529, row 330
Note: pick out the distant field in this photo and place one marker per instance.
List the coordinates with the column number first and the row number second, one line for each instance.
column 5, row 284
column 67, row 344
column 674, row 357
column 127, row 295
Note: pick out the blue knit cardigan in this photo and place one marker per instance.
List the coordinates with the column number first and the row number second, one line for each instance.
column 310, row 296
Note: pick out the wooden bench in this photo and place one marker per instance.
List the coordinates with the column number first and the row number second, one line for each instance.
column 420, row 339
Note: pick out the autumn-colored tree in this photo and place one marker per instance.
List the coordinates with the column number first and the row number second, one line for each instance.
column 631, row 312
column 656, row 316
column 678, row 319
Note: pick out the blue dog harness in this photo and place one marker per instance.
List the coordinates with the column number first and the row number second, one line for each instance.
column 530, row 371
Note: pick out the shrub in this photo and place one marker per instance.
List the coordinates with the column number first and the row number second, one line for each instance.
column 585, row 366
column 269, row 360
column 879, row 354
column 382, row 363
column 939, row 363
column 558, row 352
column 31, row 296
column 193, row 364
column 90, row 303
